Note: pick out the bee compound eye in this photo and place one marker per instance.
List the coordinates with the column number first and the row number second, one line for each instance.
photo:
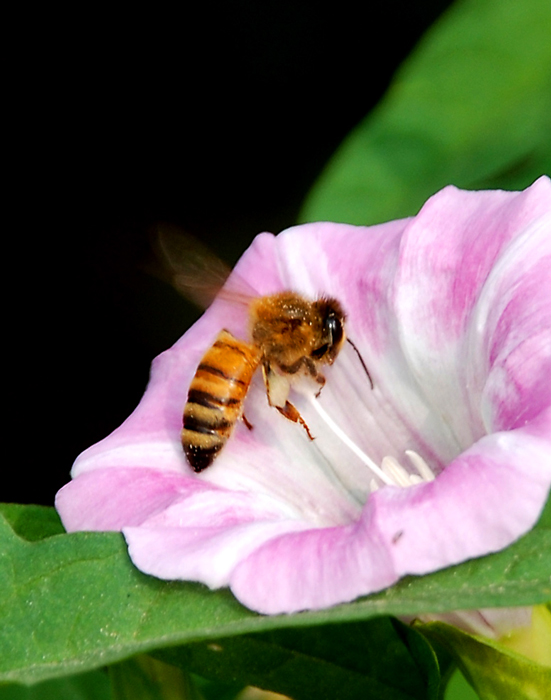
column 334, row 329
column 318, row 353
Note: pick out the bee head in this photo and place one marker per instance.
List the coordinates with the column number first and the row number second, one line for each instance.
column 332, row 319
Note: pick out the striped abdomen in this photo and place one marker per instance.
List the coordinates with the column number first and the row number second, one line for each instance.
column 215, row 398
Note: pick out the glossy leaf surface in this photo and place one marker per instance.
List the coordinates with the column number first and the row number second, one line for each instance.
column 471, row 107
column 72, row 603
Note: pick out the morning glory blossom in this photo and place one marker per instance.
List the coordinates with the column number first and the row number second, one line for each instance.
column 447, row 457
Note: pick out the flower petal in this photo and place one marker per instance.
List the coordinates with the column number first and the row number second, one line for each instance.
column 515, row 311
column 449, row 250
column 485, row 499
column 407, row 531
column 109, row 499
column 205, row 554
column 451, row 311
column 315, row 569
column 461, row 257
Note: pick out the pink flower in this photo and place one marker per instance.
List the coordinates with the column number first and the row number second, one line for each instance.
column 451, row 311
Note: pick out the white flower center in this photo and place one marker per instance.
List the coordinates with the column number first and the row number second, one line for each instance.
column 362, row 443
column 390, row 472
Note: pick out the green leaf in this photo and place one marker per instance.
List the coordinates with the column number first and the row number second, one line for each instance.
column 459, row 689
column 471, row 106
column 545, row 517
column 492, row 670
column 347, row 661
column 32, row 522
column 75, row 602
column 72, row 603
column 94, row 685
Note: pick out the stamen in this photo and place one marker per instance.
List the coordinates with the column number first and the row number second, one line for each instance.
column 425, row 472
column 390, row 472
column 394, row 469
column 351, row 444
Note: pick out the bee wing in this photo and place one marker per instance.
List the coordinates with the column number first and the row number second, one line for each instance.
column 195, row 271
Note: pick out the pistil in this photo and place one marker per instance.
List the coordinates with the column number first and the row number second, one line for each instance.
column 391, row 472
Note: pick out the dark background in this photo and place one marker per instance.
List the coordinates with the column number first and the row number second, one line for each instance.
column 217, row 120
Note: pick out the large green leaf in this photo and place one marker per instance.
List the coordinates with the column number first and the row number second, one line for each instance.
column 459, row 689
column 94, row 685
column 71, row 603
column 348, row 661
column 471, row 107
column 31, row 522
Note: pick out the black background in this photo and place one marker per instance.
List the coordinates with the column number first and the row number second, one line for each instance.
column 217, row 120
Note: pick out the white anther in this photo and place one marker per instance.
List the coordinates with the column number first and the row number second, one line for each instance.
column 422, row 467
column 395, row 471
column 390, row 472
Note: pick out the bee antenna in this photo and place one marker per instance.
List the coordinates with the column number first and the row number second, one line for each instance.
column 362, row 361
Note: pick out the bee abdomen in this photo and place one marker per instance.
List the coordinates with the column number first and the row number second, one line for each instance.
column 215, row 398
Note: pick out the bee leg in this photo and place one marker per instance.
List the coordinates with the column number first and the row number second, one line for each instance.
column 292, row 414
column 313, row 372
column 249, row 425
column 320, row 379
column 277, row 389
column 309, row 365
column 277, row 386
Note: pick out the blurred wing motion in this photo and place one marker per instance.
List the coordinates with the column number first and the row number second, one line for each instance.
column 194, row 270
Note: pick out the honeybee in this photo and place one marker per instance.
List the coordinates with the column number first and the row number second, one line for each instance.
column 289, row 337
